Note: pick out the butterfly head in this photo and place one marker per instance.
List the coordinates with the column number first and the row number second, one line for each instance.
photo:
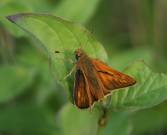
column 79, row 53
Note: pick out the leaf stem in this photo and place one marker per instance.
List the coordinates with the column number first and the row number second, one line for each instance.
column 100, row 130
column 102, row 121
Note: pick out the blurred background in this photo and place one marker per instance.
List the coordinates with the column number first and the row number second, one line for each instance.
column 32, row 102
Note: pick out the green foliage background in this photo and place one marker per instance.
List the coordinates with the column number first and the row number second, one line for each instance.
column 128, row 35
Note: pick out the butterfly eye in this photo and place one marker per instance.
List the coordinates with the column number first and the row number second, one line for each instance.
column 77, row 56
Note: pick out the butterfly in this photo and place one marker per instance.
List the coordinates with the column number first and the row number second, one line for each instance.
column 94, row 80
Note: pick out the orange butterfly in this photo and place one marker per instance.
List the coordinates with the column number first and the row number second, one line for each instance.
column 94, row 80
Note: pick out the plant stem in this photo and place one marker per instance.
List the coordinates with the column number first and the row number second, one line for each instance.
column 100, row 130
column 102, row 121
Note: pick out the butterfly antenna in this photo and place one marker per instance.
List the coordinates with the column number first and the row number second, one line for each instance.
column 89, row 33
column 57, row 51
column 50, row 66
column 87, row 39
column 64, row 59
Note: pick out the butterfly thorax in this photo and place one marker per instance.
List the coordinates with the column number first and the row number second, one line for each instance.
column 79, row 53
column 83, row 60
column 85, row 65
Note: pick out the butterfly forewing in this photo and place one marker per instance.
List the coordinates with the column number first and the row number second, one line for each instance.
column 111, row 78
column 95, row 86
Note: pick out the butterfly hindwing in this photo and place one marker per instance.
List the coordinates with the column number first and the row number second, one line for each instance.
column 80, row 95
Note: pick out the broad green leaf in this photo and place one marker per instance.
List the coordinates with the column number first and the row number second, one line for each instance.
column 13, row 81
column 27, row 119
column 80, row 13
column 60, row 35
column 122, row 59
column 118, row 124
column 78, row 122
column 47, row 90
column 149, row 120
column 150, row 89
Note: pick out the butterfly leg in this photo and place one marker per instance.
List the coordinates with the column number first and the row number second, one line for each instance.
column 68, row 60
column 64, row 59
column 69, row 74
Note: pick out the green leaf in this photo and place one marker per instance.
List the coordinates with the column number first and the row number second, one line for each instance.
column 80, row 13
column 78, row 122
column 13, row 81
column 118, row 124
column 150, row 89
column 61, row 35
column 149, row 120
column 121, row 59
column 47, row 90
column 27, row 119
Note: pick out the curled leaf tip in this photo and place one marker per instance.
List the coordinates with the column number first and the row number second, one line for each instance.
column 14, row 18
